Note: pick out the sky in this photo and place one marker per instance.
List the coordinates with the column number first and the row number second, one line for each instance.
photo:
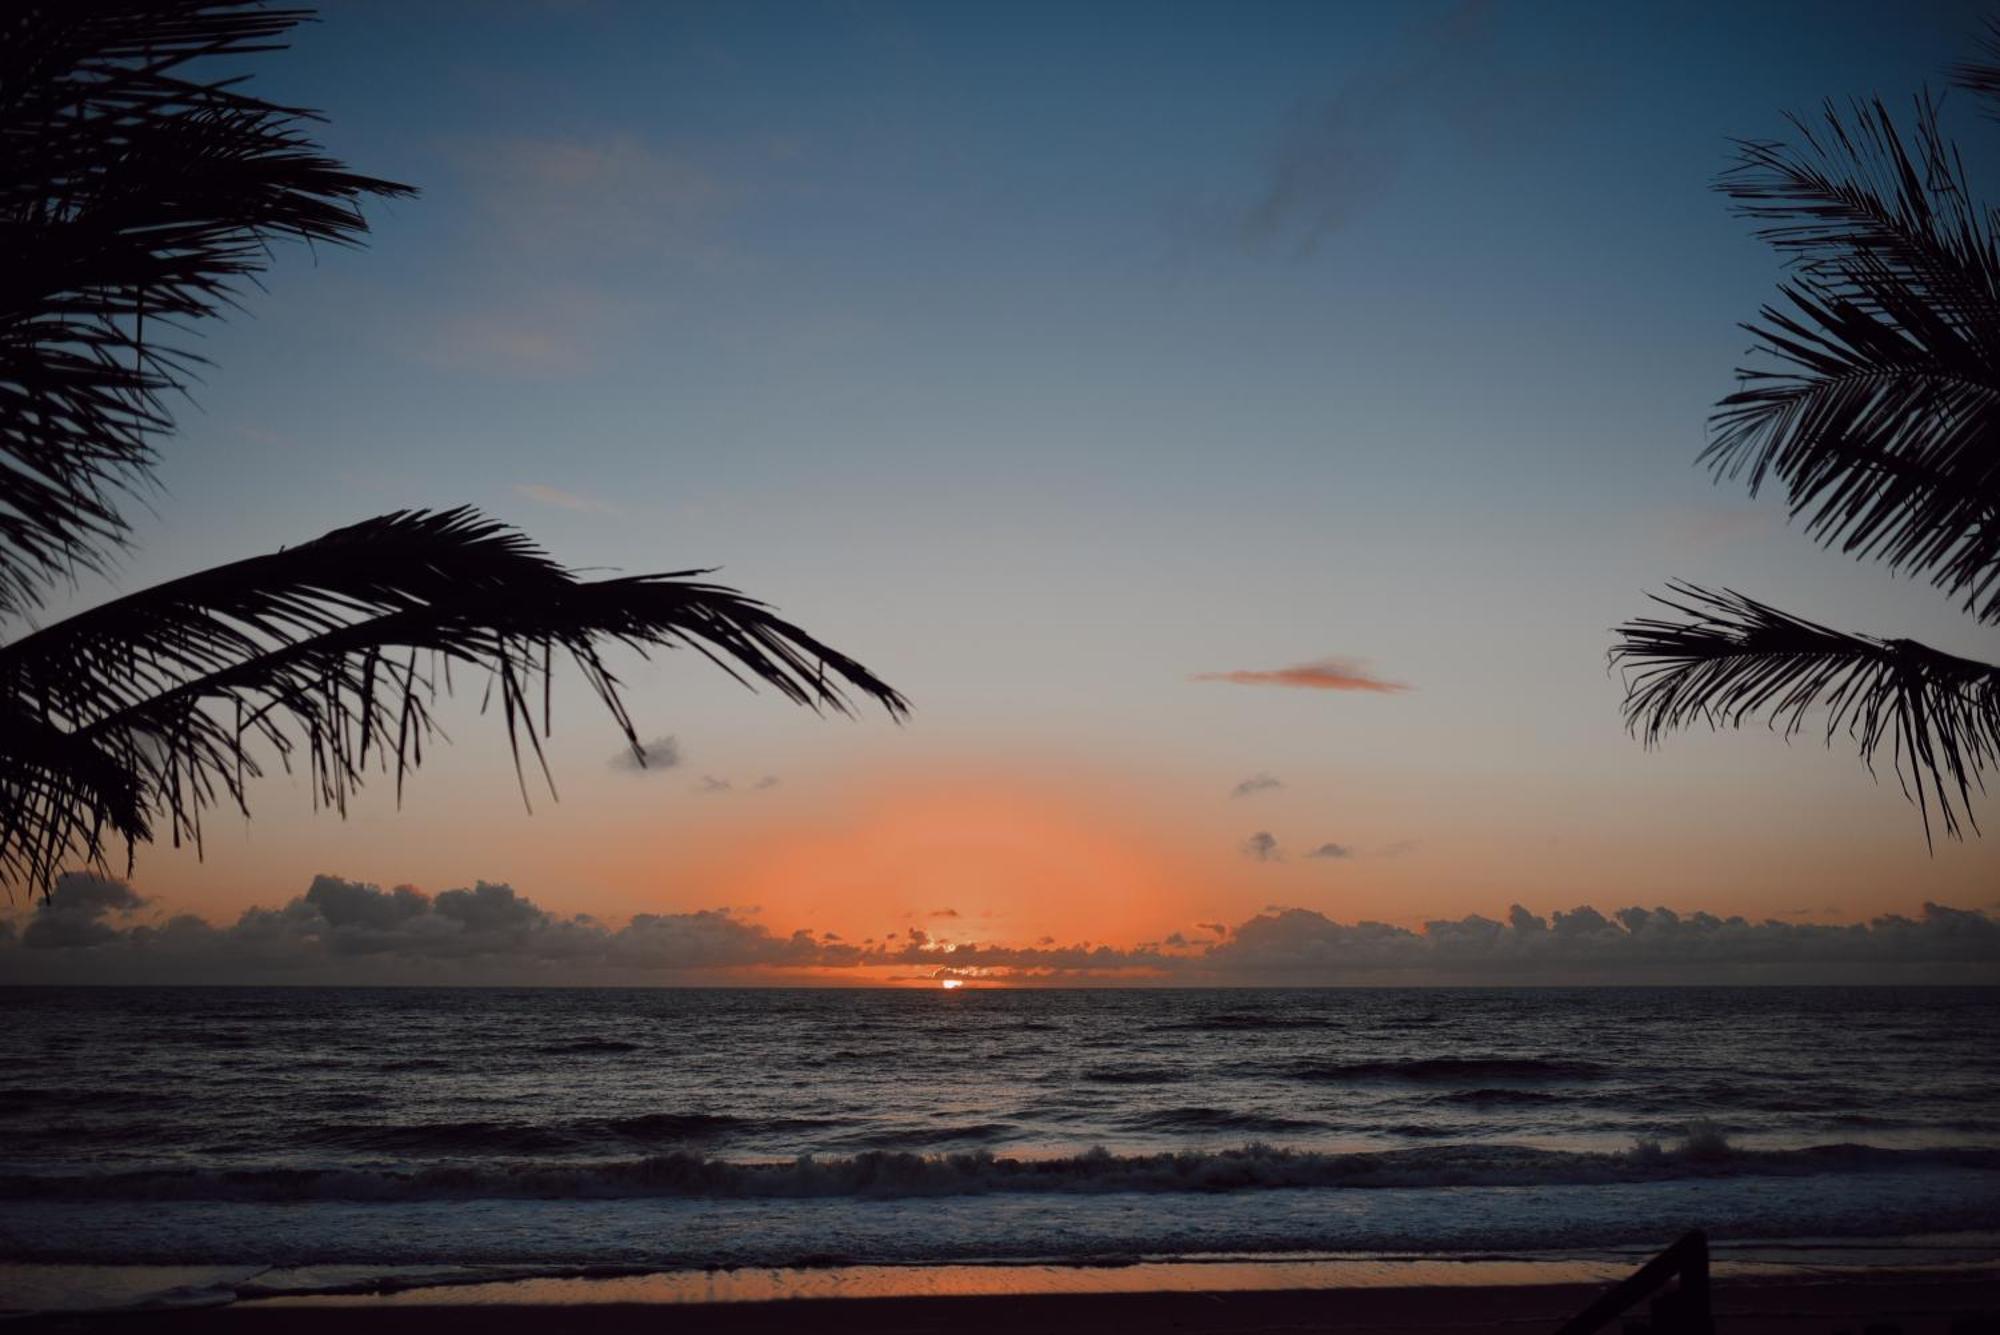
column 1235, row 427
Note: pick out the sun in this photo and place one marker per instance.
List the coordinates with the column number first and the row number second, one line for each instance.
column 949, row 984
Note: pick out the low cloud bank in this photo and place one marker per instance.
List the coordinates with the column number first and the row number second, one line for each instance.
column 94, row 929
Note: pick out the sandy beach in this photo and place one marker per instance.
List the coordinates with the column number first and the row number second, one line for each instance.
column 1918, row 1305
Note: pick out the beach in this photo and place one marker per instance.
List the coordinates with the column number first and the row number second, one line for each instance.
column 1805, row 1305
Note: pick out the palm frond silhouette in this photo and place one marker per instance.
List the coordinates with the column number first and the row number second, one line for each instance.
column 1877, row 409
column 136, row 199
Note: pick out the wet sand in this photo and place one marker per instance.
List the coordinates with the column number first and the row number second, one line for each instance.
column 1793, row 1306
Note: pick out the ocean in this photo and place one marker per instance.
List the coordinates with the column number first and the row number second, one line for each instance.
column 386, row 1131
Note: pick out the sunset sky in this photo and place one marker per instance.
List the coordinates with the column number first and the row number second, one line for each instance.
column 1236, row 429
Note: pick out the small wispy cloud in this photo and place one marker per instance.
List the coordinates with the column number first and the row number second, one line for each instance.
column 710, row 784
column 1331, row 851
column 560, row 499
column 944, row 913
column 1450, row 82
column 662, row 754
column 766, row 783
column 593, row 196
column 1326, row 674
column 1256, row 783
column 1262, row 847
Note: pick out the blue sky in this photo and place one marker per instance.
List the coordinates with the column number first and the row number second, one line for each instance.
column 1044, row 356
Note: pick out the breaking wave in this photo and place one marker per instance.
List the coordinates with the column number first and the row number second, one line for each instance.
column 885, row 1174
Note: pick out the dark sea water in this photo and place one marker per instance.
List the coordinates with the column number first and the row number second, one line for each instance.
column 383, row 1128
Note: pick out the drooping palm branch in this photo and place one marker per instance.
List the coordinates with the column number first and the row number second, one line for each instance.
column 136, row 198
column 157, row 703
column 1877, row 408
column 1735, row 660
column 136, row 195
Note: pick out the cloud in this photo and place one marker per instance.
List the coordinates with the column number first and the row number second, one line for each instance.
column 1256, row 783
column 1331, row 851
column 563, row 235
column 592, row 198
column 662, row 754
column 1339, row 156
column 93, row 929
column 710, row 784
column 559, row 499
column 1327, row 674
column 74, row 913
column 1220, row 929
column 1262, row 847
column 545, row 331
column 944, row 913
column 765, row 784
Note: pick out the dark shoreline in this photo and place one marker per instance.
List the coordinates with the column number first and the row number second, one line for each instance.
column 1777, row 1306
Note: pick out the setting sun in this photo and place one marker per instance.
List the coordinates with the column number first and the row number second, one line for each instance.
column 951, row 984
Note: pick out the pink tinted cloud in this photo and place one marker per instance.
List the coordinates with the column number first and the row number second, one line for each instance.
column 1327, row 674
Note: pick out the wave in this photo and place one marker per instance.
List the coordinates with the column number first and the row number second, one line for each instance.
column 1214, row 1119
column 471, row 1139
column 500, row 1138
column 896, row 1138
column 584, row 1047
column 1233, row 1020
column 1437, row 1070
column 671, row 1126
column 1133, row 1075
column 885, row 1174
column 1486, row 1097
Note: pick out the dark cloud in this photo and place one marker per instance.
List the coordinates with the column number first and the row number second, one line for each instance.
column 710, row 784
column 944, row 913
column 1220, row 929
column 1262, row 847
column 93, row 929
column 1331, row 851
column 768, row 781
column 1256, row 783
column 75, row 911
column 662, row 754
column 1583, row 943
column 1326, row 674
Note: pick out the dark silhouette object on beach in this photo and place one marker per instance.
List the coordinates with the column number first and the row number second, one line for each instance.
column 1880, row 415
column 135, row 200
column 1684, row 1309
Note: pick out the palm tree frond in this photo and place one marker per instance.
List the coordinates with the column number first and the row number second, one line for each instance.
column 1981, row 75
column 135, row 197
column 1882, row 419
column 344, row 644
column 1730, row 660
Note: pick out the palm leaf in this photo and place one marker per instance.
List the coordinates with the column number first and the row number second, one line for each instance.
column 1882, row 420
column 341, row 645
column 135, row 197
column 1981, row 75
column 1731, row 660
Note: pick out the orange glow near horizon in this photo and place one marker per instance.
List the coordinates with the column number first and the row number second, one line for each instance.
column 961, row 860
